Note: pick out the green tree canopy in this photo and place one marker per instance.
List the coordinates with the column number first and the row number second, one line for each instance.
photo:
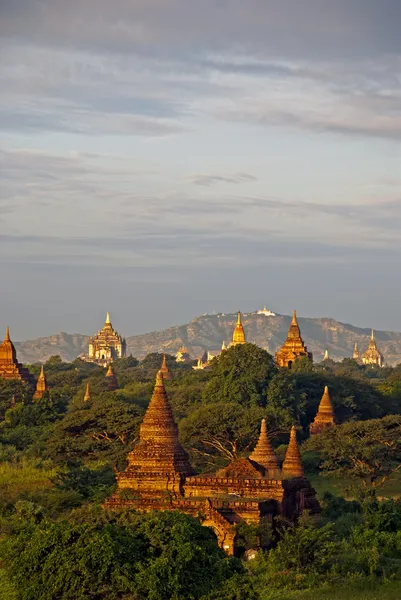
column 240, row 375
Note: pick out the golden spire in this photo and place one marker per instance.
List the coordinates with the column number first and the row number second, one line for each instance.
column 326, row 355
column 111, row 379
column 372, row 337
column 355, row 354
column 223, row 346
column 107, row 321
column 13, row 401
column 292, row 465
column 325, row 415
column 294, row 318
column 7, row 338
column 239, row 333
column 41, row 386
column 263, row 453
column 87, row 396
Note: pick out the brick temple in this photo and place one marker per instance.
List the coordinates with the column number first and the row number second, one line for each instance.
column 253, row 489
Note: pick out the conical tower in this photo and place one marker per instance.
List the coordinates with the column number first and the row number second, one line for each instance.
column 159, row 461
column 164, row 369
column 87, row 396
column 12, row 401
column 263, row 453
column 325, row 415
column 223, row 347
column 292, row 465
column 326, row 355
column 111, row 379
column 355, row 354
column 238, row 333
column 41, row 385
column 293, row 347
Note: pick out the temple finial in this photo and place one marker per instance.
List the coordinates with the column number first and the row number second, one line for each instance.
column 294, row 318
column 159, row 378
column 373, row 335
column 7, row 338
column 292, row 465
column 107, row 318
column 239, row 318
column 239, row 333
column 87, row 396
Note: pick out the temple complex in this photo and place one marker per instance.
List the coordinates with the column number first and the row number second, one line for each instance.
column 325, row 415
column 111, row 379
column 159, row 476
column 107, row 345
column 372, row 356
column 293, row 347
column 10, row 368
column 164, row 369
column 183, row 355
column 238, row 333
column 41, row 385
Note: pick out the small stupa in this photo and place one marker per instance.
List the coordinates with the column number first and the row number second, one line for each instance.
column 41, row 385
column 111, row 379
column 293, row 347
column 87, row 396
column 325, row 414
column 263, row 454
column 164, row 369
column 292, row 465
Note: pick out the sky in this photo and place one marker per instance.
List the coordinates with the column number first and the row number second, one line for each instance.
column 161, row 159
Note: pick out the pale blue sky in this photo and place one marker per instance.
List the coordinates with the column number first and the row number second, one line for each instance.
column 165, row 158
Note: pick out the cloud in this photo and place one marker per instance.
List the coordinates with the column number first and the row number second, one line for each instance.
column 209, row 180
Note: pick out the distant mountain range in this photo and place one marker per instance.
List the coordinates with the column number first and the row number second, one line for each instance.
column 207, row 332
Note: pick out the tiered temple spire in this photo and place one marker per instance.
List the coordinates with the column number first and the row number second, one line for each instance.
column 263, row 454
column 292, row 465
column 10, row 368
column 238, row 333
column 111, row 379
column 293, row 347
column 41, row 385
column 355, row 354
column 325, row 415
column 159, row 450
column 164, row 369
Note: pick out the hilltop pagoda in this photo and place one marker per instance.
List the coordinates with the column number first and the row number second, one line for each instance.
column 293, row 347
column 107, row 345
column 159, row 476
column 10, row 368
column 372, row 356
column 41, row 385
column 325, row 414
column 238, row 333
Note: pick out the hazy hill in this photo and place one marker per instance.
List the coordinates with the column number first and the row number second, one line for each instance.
column 208, row 332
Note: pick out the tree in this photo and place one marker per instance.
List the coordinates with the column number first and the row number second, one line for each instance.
column 158, row 556
column 368, row 451
column 105, row 427
column 221, row 432
column 241, row 375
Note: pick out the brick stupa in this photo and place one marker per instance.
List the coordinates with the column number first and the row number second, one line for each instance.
column 264, row 454
column 325, row 414
column 111, row 379
column 159, row 476
column 293, row 347
column 41, row 385
column 292, row 465
column 164, row 369
column 10, row 368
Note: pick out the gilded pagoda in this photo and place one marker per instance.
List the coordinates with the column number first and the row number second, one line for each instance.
column 238, row 333
column 159, row 476
column 293, row 347
column 10, row 368
column 41, row 385
column 107, row 345
column 325, row 414
column 372, row 356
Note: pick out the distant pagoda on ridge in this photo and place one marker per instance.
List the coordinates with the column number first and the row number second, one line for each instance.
column 293, row 347
column 107, row 345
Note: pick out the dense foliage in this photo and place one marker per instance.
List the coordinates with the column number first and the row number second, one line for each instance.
column 58, row 458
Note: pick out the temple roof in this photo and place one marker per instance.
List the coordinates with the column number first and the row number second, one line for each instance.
column 292, row 465
column 263, row 454
column 242, row 468
column 8, row 353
